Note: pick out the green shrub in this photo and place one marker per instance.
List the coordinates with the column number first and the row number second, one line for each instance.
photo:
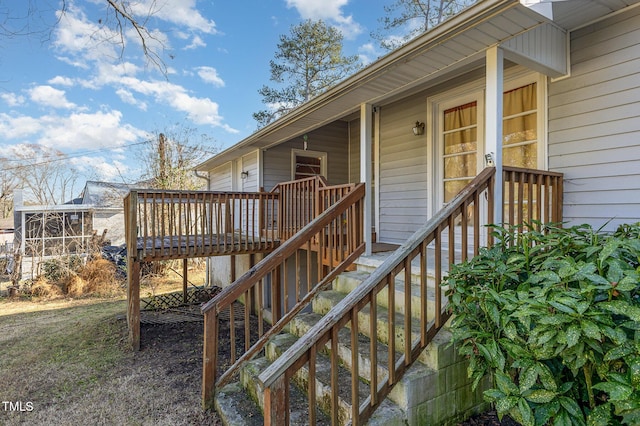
column 554, row 318
column 58, row 269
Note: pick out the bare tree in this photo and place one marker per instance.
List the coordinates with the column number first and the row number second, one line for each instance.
column 406, row 19
column 43, row 173
column 171, row 156
column 8, row 183
column 33, row 18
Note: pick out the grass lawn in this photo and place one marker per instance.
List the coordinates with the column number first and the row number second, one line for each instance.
column 66, row 362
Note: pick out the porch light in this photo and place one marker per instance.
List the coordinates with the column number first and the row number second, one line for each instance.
column 418, row 129
column 244, row 175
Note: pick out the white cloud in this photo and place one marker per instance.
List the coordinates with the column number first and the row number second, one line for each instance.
column 75, row 41
column 50, row 96
column 195, row 43
column 128, row 97
column 82, row 39
column 77, row 131
column 179, row 12
column 12, row 99
column 368, row 53
column 81, row 131
column 210, row 75
column 101, row 168
column 16, row 128
column 329, row 11
column 61, row 81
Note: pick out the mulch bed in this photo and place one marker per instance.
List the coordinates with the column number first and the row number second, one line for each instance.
column 490, row 418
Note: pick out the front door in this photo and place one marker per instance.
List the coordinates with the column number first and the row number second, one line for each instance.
column 459, row 145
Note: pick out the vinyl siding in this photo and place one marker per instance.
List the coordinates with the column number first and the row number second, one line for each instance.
column 250, row 164
column 332, row 139
column 594, row 124
column 354, row 151
column 403, row 170
column 221, row 178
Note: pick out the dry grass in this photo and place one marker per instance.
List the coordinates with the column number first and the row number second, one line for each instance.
column 44, row 289
column 69, row 357
column 100, row 279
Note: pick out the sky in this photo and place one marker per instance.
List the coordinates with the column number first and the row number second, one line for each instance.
column 65, row 88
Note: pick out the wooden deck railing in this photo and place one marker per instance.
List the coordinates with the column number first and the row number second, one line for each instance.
column 298, row 204
column 444, row 240
column 531, row 197
column 285, row 281
column 178, row 224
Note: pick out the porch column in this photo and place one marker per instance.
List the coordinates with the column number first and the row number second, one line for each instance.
column 493, row 124
column 365, row 171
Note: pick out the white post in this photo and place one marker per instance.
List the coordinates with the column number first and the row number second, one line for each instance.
column 365, row 170
column 493, row 125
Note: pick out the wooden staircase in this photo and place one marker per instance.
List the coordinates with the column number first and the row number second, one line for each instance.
column 434, row 390
column 402, row 370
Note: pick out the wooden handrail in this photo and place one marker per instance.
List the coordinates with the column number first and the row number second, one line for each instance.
column 334, row 235
column 275, row 378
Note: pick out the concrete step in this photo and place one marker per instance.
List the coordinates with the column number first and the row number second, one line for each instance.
column 389, row 414
column 326, row 300
column 303, row 323
column 241, row 403
column 430, row 391
column 348, row 281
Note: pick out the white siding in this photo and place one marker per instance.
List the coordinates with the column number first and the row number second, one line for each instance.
column 250, row 164
column 594, row 124
column 113, row 223
column 221, row 178
column 403, row 170
column 543, row 49
column 354, row 151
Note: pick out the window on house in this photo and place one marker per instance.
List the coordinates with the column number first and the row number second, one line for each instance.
column 308, row 164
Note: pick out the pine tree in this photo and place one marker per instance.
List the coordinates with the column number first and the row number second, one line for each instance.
column 308, row 62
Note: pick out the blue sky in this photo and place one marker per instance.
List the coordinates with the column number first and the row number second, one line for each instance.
column 82, row 98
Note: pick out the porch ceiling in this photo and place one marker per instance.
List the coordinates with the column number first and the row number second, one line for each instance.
column 448, row 50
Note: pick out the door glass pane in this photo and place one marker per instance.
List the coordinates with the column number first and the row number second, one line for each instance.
column 519, row 128
column 520, row 139
column 460, row 147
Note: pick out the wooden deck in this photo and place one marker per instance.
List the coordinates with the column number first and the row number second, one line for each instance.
column 167, row 225
column 191, row 246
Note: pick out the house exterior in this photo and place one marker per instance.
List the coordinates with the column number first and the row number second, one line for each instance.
column 533, row 84
column 6, row 235
column 555, row 79
column 47, row 231
column 528, row 103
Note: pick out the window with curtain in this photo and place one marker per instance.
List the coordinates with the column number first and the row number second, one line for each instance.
column 460, row 137
column 519, row 128
column 520, row 138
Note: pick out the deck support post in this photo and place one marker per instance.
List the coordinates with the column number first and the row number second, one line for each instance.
column 275, row 403
column 209, row 358
column 184, row 281
column 133, row 302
